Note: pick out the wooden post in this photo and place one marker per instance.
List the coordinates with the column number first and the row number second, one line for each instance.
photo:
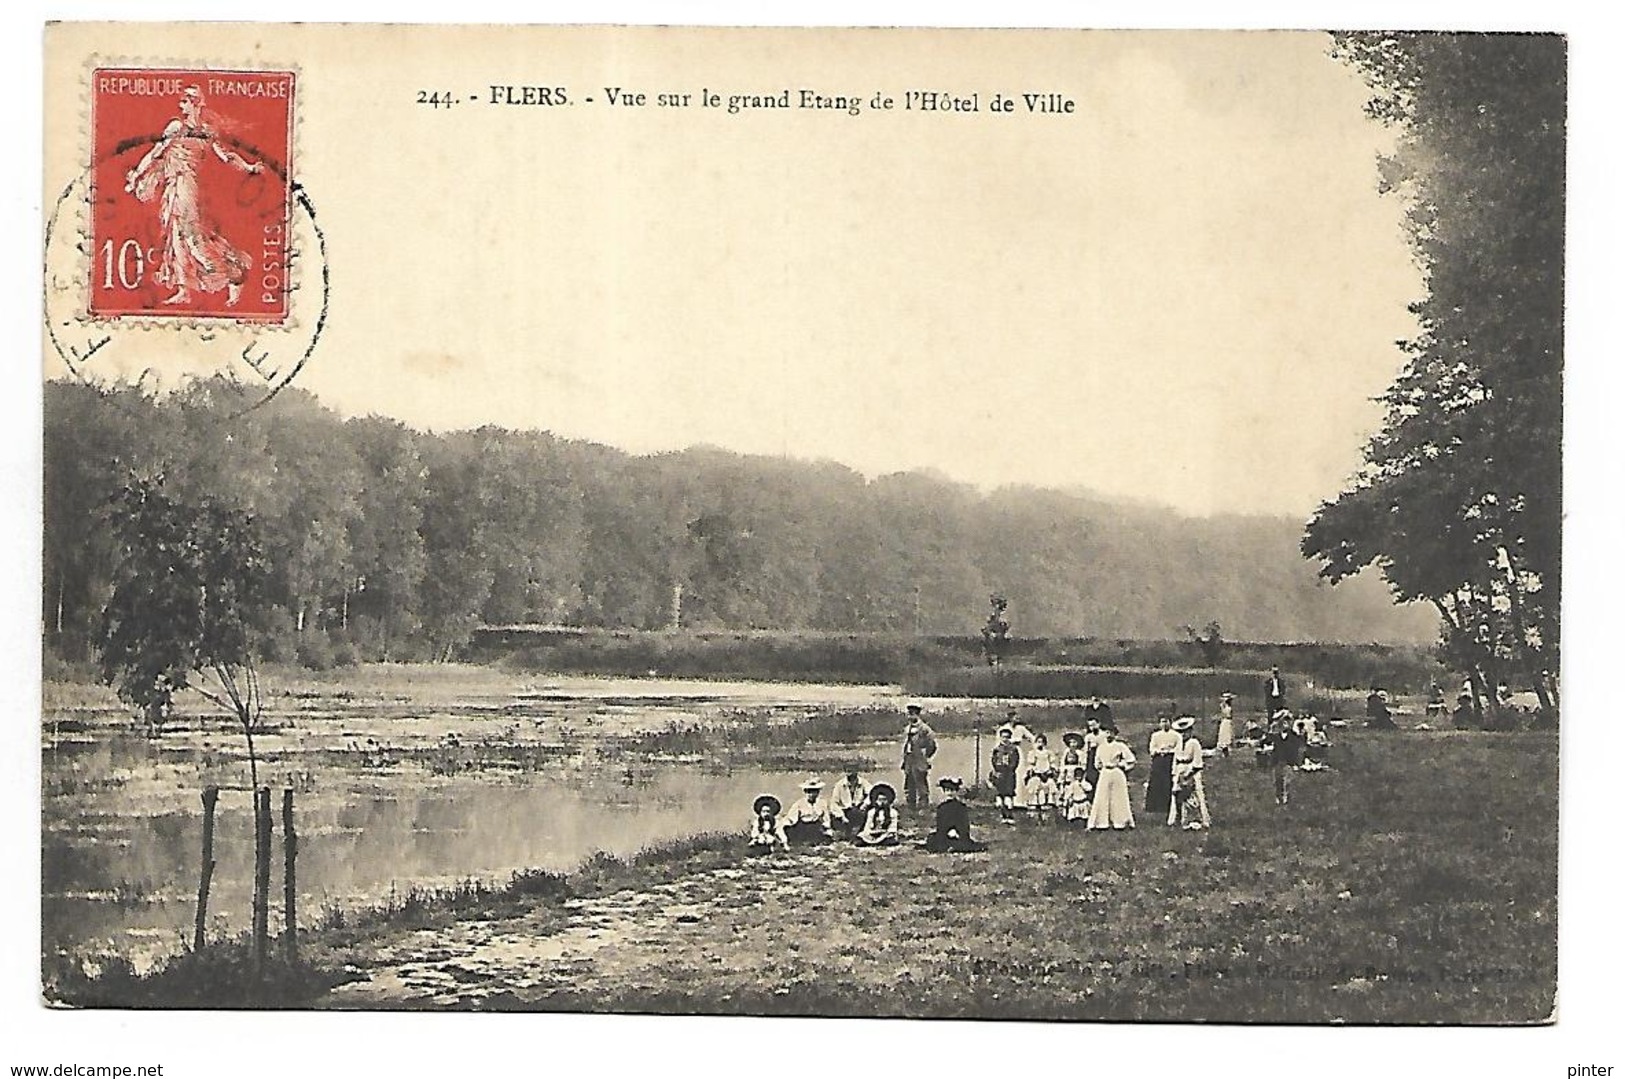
column 211, row 795
column 262, row 874
column 977, row 727
column 290, row 852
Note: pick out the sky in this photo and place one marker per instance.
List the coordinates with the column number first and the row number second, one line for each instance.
column 1185, row 292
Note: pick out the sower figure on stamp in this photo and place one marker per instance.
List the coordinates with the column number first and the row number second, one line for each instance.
column 193, row 254
column 919, row 746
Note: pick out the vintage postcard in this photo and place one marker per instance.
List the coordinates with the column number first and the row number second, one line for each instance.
column 998, row 524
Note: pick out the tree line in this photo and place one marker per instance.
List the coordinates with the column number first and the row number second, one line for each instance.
column 1460, row 501
column 385, row 542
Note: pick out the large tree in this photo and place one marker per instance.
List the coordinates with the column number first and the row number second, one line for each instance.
column 189, row 577
column 1459, row 500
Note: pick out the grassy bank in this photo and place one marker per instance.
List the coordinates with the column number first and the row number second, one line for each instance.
column 920, row 662
column 1415, row 883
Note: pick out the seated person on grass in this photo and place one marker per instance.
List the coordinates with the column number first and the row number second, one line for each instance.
column 849, row 803
column 880, row 822
column 766, row 833
column 952, row 833
column 806, row 822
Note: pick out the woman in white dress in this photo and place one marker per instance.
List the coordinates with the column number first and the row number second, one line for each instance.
column 1227, row 724
column 1110, row 807
column 1190, row 801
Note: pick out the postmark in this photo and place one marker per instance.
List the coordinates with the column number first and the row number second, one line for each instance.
column 186, row 248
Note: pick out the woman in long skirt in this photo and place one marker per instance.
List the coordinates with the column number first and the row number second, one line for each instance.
column 1159, row 786
column 1227, row 724
column 1110, row 807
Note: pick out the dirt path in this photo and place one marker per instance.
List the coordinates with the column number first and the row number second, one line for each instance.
column 732, row 923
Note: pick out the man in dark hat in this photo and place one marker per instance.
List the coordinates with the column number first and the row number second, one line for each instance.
column 919, row 746
column 1274, row 692
column 1100, row 712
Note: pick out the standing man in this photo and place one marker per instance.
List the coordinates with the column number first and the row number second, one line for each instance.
column 919, row 746
column 1274, row 692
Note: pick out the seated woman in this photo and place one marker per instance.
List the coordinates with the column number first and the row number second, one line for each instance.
column 766, row 833
column 1316, row 748
column 952, row 833
column 807, row 823
column 880, row 825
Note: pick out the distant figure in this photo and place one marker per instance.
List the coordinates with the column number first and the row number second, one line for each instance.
column 849, row 803
column 1317, row 747
column 1075, row 797
column 1159, row 785
column 766, row 833
column 807, row 822
column 1093, row 739
column 1004, row 770
column 1023, row 737
column 1283, row 750
column 1189, row 810
column 1436, row 702
column 1274, row 692
column 1227, row 724
column 919, row 746
column 1377, row 714
column 880, row 820
column 1467, row 708
column 1110, row 807
column 952, row 833
column 1101, row 712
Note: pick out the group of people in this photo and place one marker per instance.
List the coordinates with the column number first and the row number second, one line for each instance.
column 1088, row 784
column 861, row 814
column 1084, row 784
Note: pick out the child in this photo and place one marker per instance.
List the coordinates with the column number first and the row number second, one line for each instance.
column 880, row 826
column 1004, row 768
column 1041, row 786
column 766, row 834
column 1075, row 798
column 1073, row 757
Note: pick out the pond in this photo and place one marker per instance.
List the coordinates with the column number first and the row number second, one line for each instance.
column 396, row 790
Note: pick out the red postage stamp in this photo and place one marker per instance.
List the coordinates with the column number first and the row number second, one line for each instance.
column 191, row 179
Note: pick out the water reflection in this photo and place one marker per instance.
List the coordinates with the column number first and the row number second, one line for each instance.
column 123, row 823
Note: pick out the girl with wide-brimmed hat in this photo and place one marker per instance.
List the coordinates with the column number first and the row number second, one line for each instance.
column 766, row 833
column 880, row 825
